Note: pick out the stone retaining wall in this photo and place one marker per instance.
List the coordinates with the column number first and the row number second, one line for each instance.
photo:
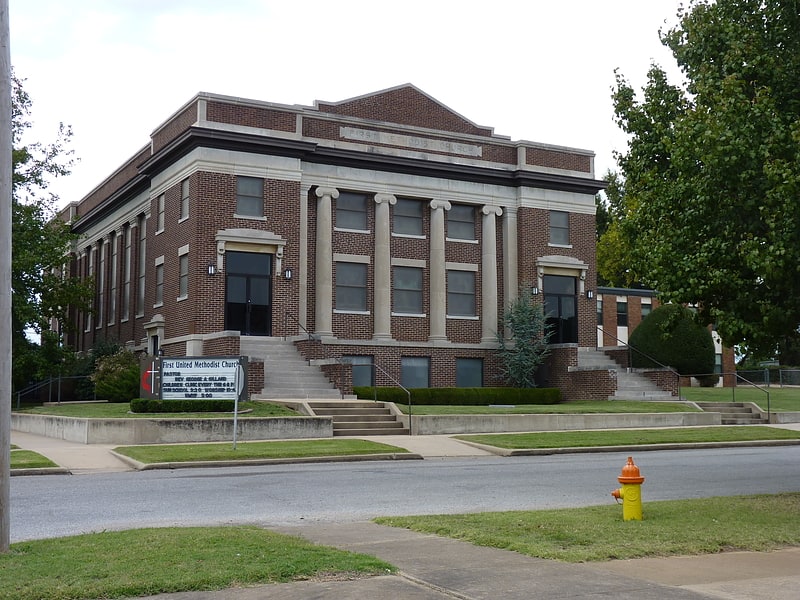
column 165, row 431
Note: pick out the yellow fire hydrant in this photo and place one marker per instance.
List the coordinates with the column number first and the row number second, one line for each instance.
column 630, row 492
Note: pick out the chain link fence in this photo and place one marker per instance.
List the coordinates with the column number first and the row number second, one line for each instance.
column 768, row 377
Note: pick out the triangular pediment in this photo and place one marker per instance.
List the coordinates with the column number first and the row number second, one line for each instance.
column 405, row 105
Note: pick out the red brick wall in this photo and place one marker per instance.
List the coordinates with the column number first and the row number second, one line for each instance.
column 175, row 127
column 407, row 106
column 250, row 116
column 557, row 159
column 123, row 175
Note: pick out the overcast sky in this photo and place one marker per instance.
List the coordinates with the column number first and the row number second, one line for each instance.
column 531, row 69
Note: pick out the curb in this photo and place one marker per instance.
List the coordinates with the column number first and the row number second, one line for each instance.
column 140, row 466
column 41, row 471
column 637, row 448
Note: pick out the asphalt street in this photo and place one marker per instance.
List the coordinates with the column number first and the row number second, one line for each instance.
column 292, row 495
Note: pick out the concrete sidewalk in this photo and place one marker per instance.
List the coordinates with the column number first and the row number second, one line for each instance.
column 435, row 568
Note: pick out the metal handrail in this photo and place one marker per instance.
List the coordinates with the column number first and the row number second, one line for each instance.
column 286, row 317
column 46, row 382
column 758, row 387
column 401, row 386
column 647, row 356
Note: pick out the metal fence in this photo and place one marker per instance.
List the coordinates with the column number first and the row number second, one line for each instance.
column 768, row 377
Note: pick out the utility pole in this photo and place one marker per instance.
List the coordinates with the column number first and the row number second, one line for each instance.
column 5, row 279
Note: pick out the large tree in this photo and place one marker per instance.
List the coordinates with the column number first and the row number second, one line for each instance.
column 712, row 169
column 40, row 243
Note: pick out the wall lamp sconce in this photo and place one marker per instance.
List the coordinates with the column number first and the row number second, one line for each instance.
column 212, row 269
column 287, row 274
column 534, row 291
column 589, row 294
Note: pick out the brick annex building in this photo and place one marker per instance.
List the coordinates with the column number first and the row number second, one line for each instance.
column 389, row 227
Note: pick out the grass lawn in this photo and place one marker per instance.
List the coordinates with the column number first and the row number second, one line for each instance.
column 683, row 527
column 780, row 399
column 152, row 561
column 121, row 410
column 27, row 459
column 254, row 450
column 577, row 407
column 632, row 437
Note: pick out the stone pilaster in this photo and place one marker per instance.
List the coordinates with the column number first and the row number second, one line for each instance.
column 438, row 273
column 489, row 273
column 323, row 306
column 382, row 325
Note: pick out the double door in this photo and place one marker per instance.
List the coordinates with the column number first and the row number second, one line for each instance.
column 248, row 293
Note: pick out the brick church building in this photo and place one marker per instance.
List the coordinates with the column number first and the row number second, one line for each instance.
column 387, row 230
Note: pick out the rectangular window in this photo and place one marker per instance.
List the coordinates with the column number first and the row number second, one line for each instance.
column 183, row 276
column 559, row 227
column 112, row 299
column 461, row 293
column 407, row 290
column 351, row 286
column 101, row 284
column 250, row 196
column 600, row 311
column 351, row 211
column 646, row 309
column 408, row 217
column 415, row 371
column 622, row 314
column 126, row 274
column 142, row 274
column 184, row 199
column 469, row 372
column 461, row 222
column 161, row 209
column 89, row 274
column 363, row 371
column 159, row 281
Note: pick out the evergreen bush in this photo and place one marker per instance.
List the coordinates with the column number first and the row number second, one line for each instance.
column 116, row 377
column 672, row 336
column 482, row 396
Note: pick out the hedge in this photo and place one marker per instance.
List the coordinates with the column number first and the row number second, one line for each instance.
column 153, row 405
column 461, row 396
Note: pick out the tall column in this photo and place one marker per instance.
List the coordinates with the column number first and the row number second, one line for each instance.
column 438, row 282
column 323, row 307
column 382, row 326
column 510, row 258
column 489, row 273
column 302, row 260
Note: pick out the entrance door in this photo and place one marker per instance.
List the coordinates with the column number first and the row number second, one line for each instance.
column 248, row 293
column 560, row 305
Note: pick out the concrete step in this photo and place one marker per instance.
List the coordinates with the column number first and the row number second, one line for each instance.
column 360, row 432
column 734, row 413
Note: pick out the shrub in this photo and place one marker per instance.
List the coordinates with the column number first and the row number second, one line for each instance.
column 461, row 396
column 116, row 377
column 154, row 405
column 672, row 336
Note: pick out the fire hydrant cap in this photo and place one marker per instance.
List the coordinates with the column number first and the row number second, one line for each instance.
column 630, row 473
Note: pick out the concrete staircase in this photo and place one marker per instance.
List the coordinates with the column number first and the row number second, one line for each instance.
column 287, row 375
column 359, row 417
column 735, row 413
column 630, row 385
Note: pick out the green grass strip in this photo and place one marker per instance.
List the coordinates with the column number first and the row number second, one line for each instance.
column 121, row 410
column 255, row 450
column 685, row 527
column 153, row 561
column 28, row 459
column 632, row 437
